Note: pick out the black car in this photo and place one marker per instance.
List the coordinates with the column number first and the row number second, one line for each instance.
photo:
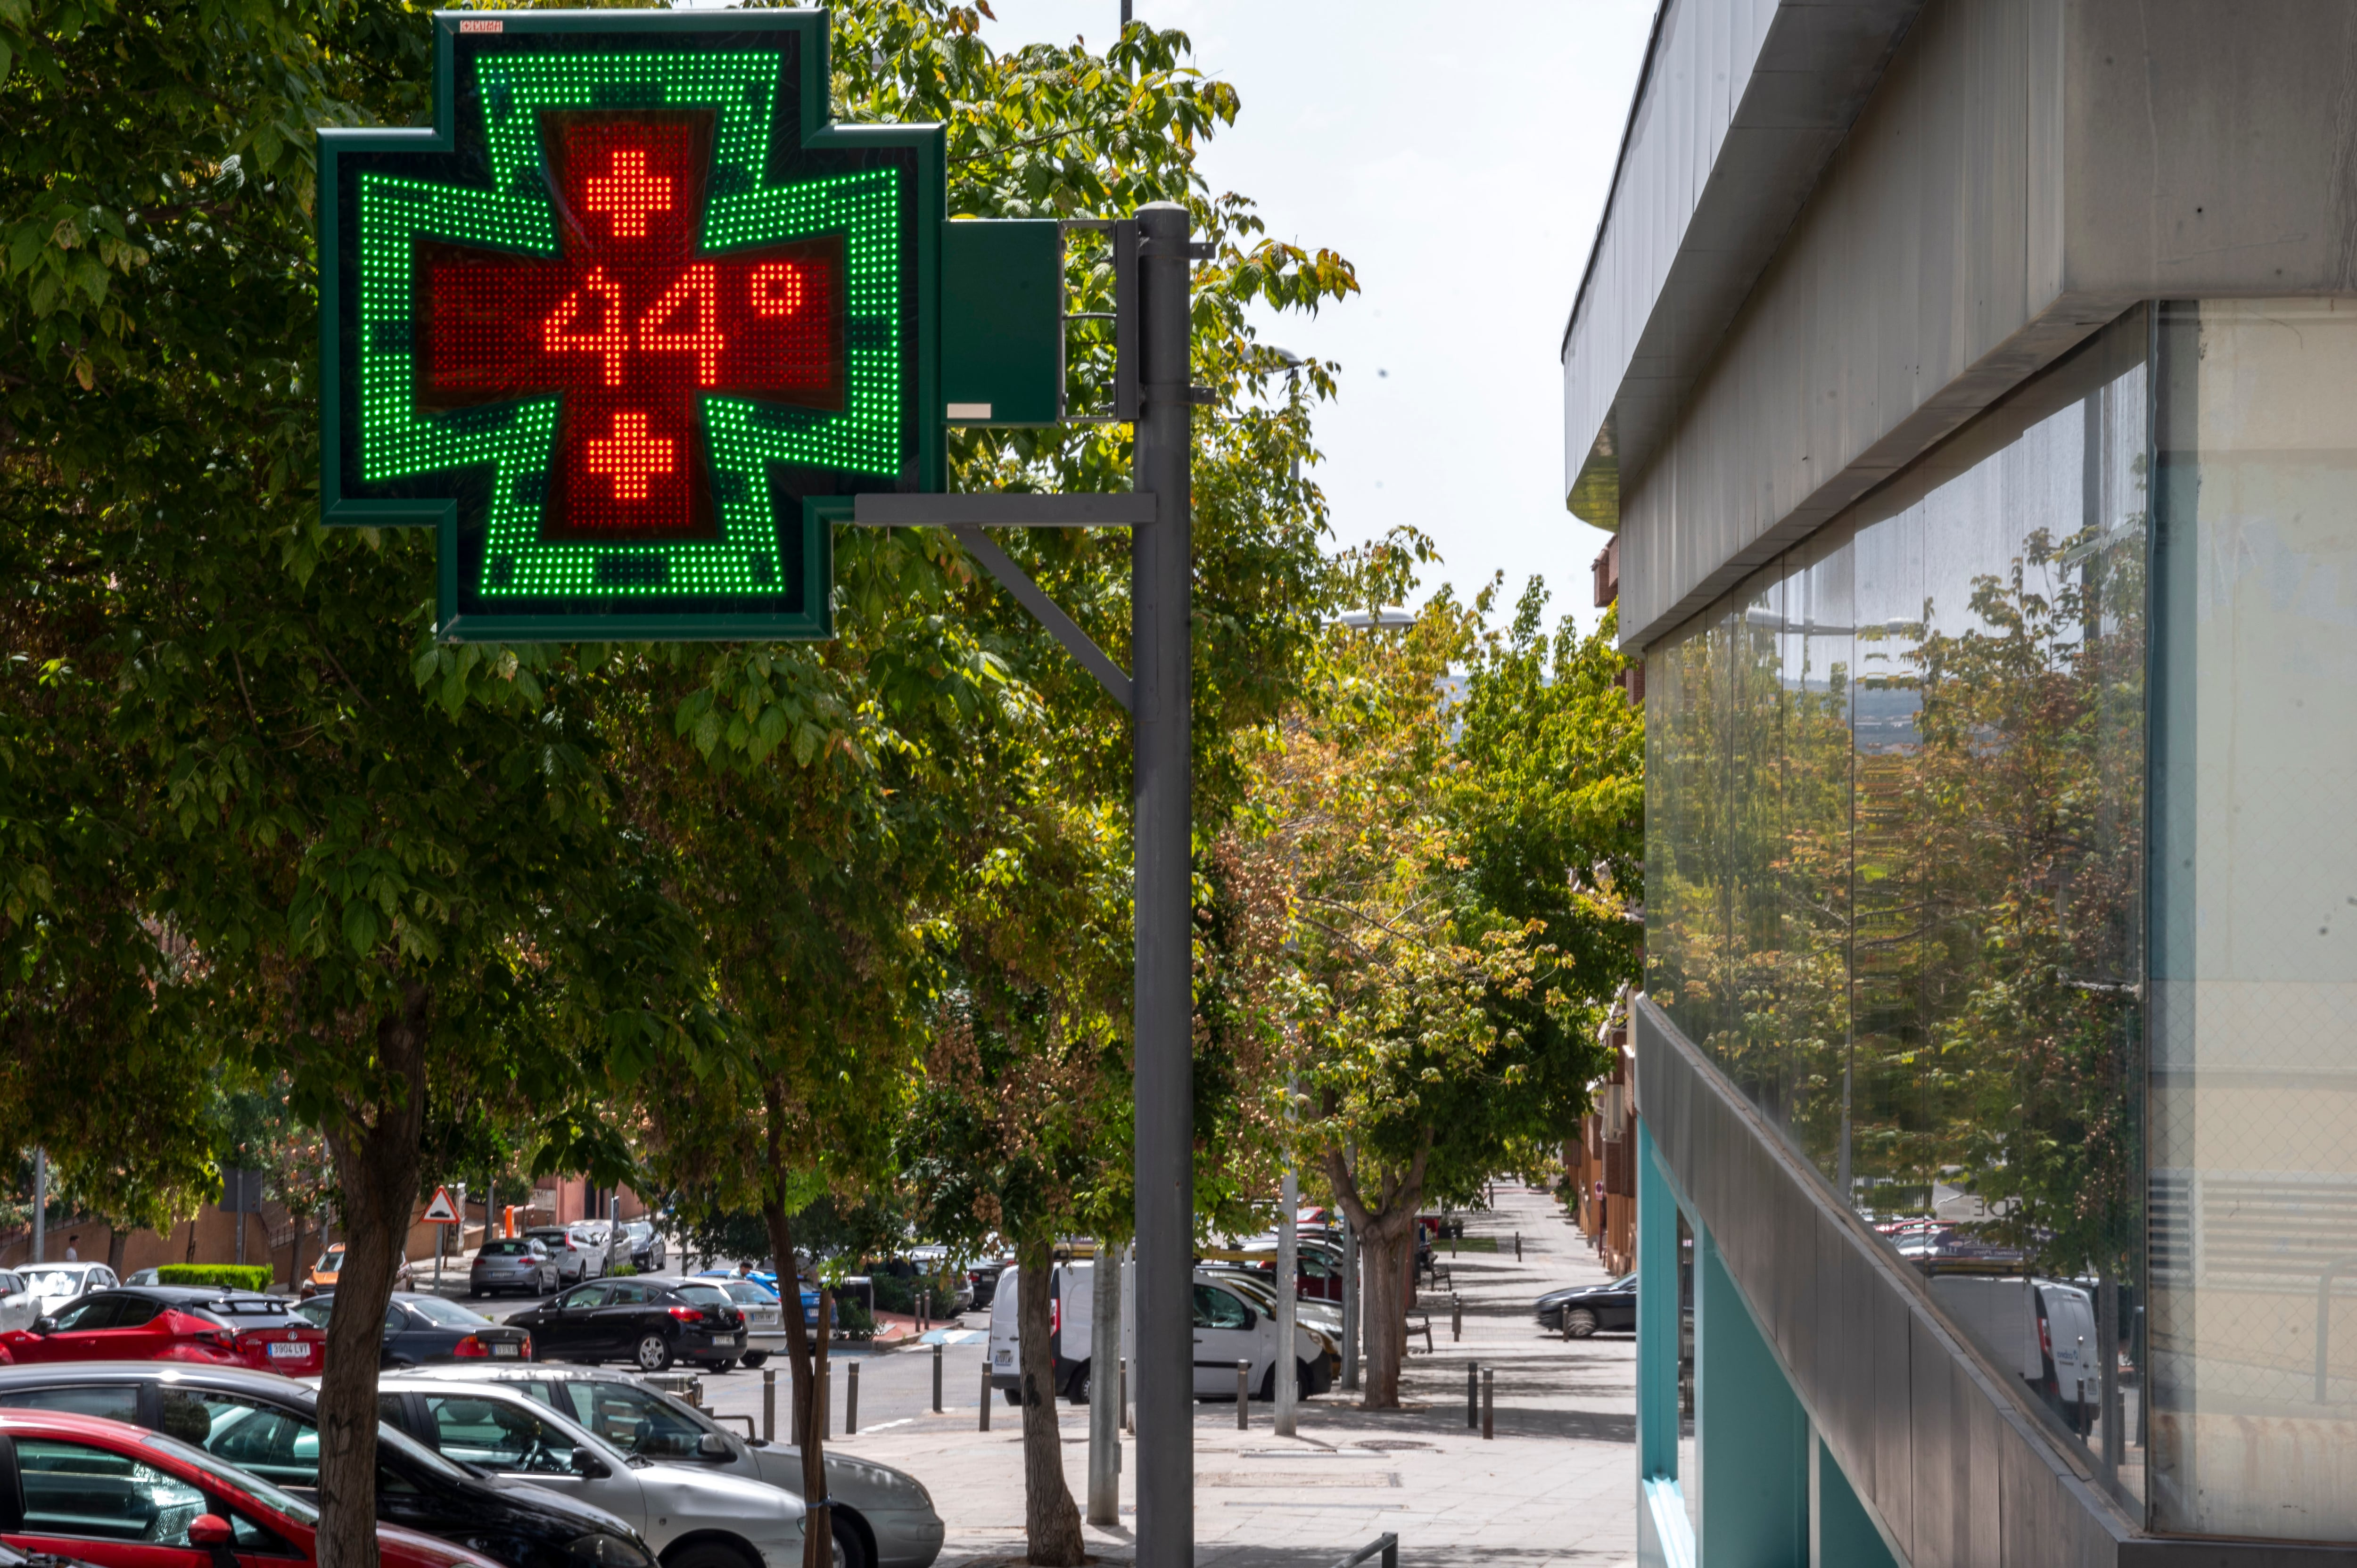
column 420, row 1329
column 645, row 1245
column 983, row 1277
column 644, row 1322
column 268, row 1426
column 1589, row 1309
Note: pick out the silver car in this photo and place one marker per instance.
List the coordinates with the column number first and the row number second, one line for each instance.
column 516, row 1263
column 18, row 1305
column 578, row 1249
column 883, row 1519
column 53, row 1284
column 756, row 1301
column 714, row 1521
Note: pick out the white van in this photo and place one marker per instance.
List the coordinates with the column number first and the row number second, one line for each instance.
column 2042, row 1331
column 1230, row 1327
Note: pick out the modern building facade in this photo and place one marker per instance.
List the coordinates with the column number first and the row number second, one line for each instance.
column 1971, row 388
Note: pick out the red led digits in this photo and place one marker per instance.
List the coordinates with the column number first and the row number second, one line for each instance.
column 560, row 330
column 631, row 324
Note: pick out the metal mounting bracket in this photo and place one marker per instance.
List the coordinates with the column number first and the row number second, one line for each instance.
column 1032, row 597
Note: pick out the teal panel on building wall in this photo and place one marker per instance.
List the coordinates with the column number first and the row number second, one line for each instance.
column 1002, row 321
column 1751, row 1437
column 1846, row 1537
column 1657, row 1315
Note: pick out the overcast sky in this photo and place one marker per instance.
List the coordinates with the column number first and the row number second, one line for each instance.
column 1459, row 156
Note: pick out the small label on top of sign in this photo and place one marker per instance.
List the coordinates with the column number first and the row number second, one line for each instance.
column 969, row 411
column 482, row 24
column 442, row 1210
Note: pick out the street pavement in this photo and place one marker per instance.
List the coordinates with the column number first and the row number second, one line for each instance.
column 1556, row 1488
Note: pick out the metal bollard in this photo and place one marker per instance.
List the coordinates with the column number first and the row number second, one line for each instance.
column 851, row 1403
column 1456, row 1317
column 1488, row 1403
column 768, row 1404
column 1126, row 1424
column 1472, row 1393
column 1390, row 1558
column 924, row 1310
column 1244, row 1395
column 1518, row 1246
column 937, row 1380
column 986, row 1392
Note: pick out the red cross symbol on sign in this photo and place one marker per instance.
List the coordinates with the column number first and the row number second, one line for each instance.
column 631, row 324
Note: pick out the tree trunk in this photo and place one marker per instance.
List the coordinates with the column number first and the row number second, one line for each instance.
column 295, row 1258
column 1051, row 1520
column 117, row 1238
column 1386, row 1254
column 375, row 1149
column 809, row 1421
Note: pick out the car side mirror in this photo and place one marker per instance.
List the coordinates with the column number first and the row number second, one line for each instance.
column 45, row 1325
column 712, row 1446
column 210, row 1529
column 588, row 1467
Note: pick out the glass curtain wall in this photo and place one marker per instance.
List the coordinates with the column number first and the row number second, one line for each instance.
column 2253, row 1097
column 1895, row 873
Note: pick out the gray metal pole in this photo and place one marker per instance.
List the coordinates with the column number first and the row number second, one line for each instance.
column 1161, row 568
column 1104, row 1390
column 1288, row 1295
column 1349, row 1305
column 40, row 1206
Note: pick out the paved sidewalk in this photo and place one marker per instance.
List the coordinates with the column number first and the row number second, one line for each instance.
column 1555, row 1488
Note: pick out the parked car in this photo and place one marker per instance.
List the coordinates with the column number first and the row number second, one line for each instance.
column 767, row 1281
column 694, row 1518
column 884, row 1517
column 764, row 1314
column 119, row 1497
column 648, row 1253
column 1583, row 1310
column 1229, row 1327
column 645, row 1322
column 422, row 1329
column 321, row 1276
column 578, row 1249
column 269, row 1426
column 984, row 1278
column 54, row 1284
column 512, row 1262
column 145, row 1277
column 18, row 1305
column 174, row 1323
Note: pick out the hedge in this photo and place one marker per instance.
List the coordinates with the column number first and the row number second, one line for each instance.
column 234, row 1276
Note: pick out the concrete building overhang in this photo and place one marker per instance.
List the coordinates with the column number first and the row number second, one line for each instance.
column 1738, row 107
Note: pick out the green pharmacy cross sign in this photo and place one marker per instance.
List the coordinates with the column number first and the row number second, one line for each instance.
column 631, row 324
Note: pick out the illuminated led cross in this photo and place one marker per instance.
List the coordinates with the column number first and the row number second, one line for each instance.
column 633, row 323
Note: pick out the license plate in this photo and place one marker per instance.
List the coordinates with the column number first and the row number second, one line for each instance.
column 1006, row 1358
column 290, row 1350
column 510, row 1351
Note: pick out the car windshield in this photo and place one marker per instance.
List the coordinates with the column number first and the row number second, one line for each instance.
column 448, row 1313
column 519, row 1248
column 1626, row 1282
column 49, row 1282
column 316, row 1311
column 244, row 1306
column 331, row 1260
column 695, row 1290
column 747, row 1290
column 254, row 1486
column 545, row 1235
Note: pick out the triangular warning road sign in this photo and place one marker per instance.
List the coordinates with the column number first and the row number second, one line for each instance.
column 442, row 1210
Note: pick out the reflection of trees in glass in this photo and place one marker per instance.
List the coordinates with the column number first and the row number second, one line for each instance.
column 1900, row 908
column 2029, row 783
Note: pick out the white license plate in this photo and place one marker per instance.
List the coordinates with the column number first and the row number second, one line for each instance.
column 289, row 1351
column 500, row 1348
column 1006, row 1358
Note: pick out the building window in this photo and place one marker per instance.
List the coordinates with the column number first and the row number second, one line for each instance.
column 1895, row 873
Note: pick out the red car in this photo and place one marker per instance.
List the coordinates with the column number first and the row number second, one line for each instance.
column 174, row 1323
column 121, row 1497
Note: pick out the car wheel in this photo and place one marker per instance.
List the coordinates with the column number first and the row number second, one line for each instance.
column 1579, row 1323
column 709, row 1554
column 653, row 1354
column 1014, row 1396
column 474, row 1293
column 850, row 1535
column 1076, row 1388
